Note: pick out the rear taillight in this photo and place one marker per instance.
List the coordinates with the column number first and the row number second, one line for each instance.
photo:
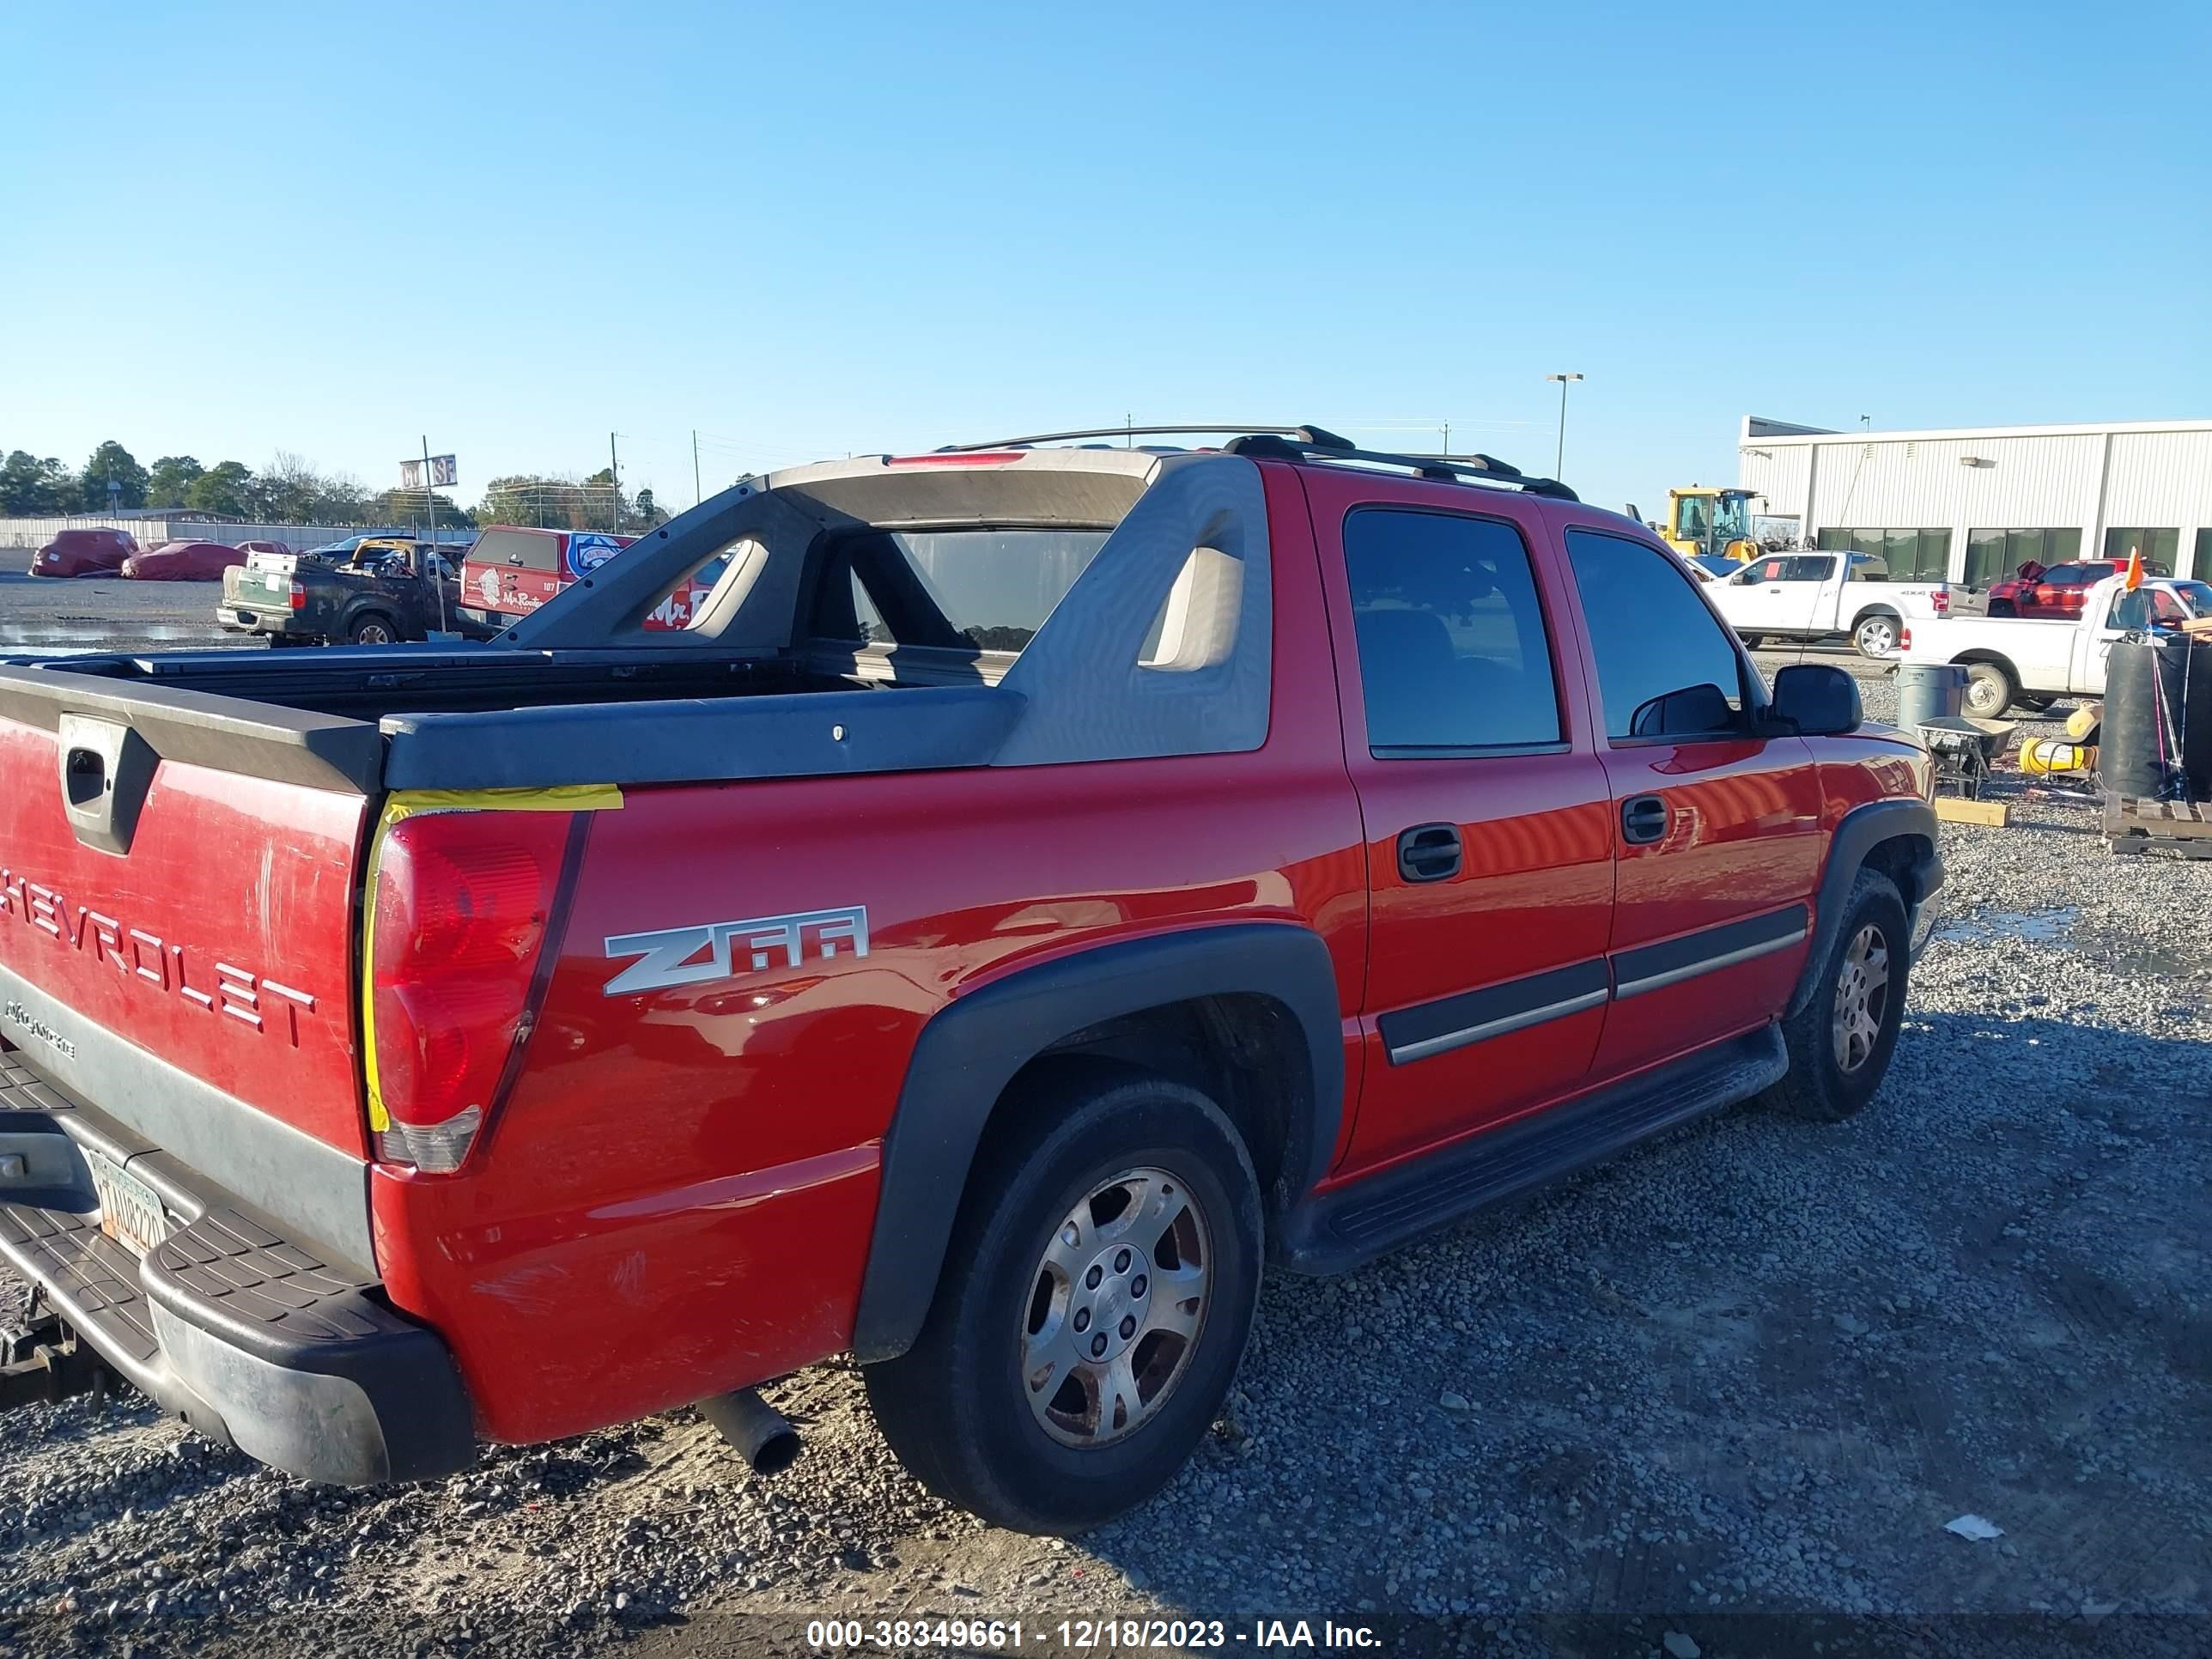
column 299, row 594
column 1905, row 639
column 1940, row 600
column 461, row 900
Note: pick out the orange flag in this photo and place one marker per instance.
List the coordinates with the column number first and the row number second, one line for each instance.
column 2135, row 569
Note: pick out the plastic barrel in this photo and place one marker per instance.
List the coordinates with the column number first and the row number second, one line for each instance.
column 2157, row 740
column 1928, row 691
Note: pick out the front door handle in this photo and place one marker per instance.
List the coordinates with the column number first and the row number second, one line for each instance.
column 1643, row 819
column 1429, row 852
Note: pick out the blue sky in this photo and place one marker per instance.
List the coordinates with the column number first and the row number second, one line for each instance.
column 807, row 230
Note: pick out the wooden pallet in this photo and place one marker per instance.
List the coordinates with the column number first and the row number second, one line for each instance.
column 2174, row 829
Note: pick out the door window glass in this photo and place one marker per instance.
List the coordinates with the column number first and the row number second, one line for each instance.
column 1666, row 668
column 1453, row 650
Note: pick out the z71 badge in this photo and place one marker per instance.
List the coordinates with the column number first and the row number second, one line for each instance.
column 686, row 956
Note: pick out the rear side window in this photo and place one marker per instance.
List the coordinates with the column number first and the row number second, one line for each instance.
column 1666, row 668
column 977, row 590
column 1453, row 650
column 517, row 549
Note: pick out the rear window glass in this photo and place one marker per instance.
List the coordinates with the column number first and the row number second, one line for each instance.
column 518, row 550
column 984, row 590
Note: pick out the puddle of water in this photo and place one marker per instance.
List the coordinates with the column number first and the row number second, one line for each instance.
column 39, row 636
column 2035, row 926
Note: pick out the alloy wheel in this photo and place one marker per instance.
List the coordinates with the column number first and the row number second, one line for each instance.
column 1861, row 999
column 1115, row 1308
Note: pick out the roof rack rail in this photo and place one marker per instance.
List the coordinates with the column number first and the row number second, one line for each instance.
column 1447, row 469
column 1304, row 443
column 1311, row 435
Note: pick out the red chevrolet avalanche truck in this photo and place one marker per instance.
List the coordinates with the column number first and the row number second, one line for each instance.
column 1043, row 886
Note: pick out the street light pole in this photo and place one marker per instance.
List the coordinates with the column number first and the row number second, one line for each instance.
column 1559, row 461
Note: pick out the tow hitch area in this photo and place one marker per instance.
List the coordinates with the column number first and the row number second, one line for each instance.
column 42, row 1361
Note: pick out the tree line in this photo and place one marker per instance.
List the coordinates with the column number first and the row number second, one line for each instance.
column 289, row 489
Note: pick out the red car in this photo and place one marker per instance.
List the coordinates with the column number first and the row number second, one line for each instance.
column 1042, row 887
column 84, row 553
column 2058, row 590
column 184, row 561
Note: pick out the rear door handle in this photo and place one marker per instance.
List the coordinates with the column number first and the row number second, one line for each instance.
column 1643, row 819
column 1429, row 852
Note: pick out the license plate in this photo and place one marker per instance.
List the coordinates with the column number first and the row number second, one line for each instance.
column 130, row 1211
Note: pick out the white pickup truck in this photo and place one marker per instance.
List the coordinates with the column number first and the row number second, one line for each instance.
column 2031, row 664
column 1813, row 596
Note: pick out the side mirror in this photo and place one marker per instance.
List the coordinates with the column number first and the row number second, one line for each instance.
column 1817, row 699
column 1747, row 577
column 1699, row 711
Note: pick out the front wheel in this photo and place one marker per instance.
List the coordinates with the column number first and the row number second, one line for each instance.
column 1875, row 635
column 1990, row 689
column 1840, row 1043
column 1097, row 1296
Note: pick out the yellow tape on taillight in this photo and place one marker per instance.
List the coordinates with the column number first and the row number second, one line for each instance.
column 402, row 804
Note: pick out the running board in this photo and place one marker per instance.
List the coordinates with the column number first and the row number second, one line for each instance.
column 1340, row 1230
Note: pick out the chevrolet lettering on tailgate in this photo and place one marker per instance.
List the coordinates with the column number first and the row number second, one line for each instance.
column 141, row 956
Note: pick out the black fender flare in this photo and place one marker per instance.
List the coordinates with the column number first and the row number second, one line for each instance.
column 1861, row 829
column 971, row 1048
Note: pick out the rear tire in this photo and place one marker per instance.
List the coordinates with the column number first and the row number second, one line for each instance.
column 1840, row 1044
column 1990, row 689
column 1875, row 635
column 998, row 1406
column 372, row 629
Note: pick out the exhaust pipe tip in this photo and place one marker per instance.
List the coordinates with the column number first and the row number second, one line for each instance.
column 763, row 1436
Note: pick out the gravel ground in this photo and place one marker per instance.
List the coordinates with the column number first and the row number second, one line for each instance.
column 1723, row 1394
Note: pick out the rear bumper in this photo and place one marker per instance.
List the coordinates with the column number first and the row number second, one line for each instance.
column 250, row 618
column 266, row 1343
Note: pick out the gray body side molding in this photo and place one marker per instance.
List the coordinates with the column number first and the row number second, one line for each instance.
column 1863, row 829
column 971, row 1049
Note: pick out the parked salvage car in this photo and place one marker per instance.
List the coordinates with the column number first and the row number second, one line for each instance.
column 385, row 590
column 1104, row 874
column 184, row 561
column 95, row 552
column 1815, row 595
column 2058, row 591
column 512, row 569
column 2026, row 663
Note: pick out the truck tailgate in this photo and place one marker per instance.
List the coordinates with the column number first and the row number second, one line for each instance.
column 176, row 949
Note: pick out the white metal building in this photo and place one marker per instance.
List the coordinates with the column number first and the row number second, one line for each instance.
column 1972, row 503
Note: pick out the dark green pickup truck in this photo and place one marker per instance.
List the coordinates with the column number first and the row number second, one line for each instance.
column 383, row 589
